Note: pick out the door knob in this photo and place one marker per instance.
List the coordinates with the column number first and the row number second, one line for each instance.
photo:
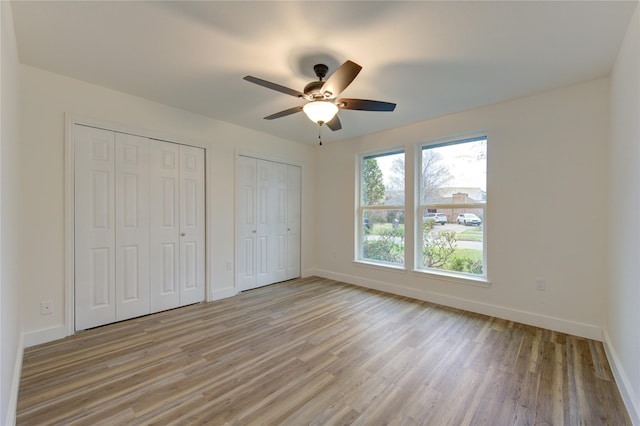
column 254, row 231
column 182, row 234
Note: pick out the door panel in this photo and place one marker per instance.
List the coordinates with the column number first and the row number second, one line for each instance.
column 246, row 169
column 192, row 225
column 132, row 226
column 277, row 223
column 95, row 302
column 131, row 285
column 293, row 221
column 262, row 260
column 101, row 195
column 100, row 278
column 164, row 225
column 168, row 281
column 263, row 256
column 190, row 260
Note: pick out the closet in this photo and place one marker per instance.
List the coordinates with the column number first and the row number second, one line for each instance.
column 268, row 222
column 139, row 226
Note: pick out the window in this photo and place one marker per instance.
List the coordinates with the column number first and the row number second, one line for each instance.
column 452, row 207
column 381, row 208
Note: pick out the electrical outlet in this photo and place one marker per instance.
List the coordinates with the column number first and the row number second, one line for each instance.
column 541, row 284
column 228, row 266
column 46, row 308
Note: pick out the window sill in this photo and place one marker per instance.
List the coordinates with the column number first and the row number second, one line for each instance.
column 377, row 265
column 455, row 278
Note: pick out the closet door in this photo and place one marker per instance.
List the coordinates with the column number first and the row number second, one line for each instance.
column 246, row 222
column 293, row 221
column 132, row 226
column 164, row 225
column 95, row 300
column 192, row 226
column 268, row 222
column 139, row 226
column 177, row 225
column 275, row 225
column 263, row 237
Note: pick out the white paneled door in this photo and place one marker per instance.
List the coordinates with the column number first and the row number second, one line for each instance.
column 294, row 191
column 177, row 225
column 95, row 298
column 139, row 226
column 246, row 223
column 132, row 226
column 191, row 225
column 268, row 222
column 165, row 225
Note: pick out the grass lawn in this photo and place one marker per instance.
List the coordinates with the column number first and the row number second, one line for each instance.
column 474, row 234
column 378, row 228
column 474, row 255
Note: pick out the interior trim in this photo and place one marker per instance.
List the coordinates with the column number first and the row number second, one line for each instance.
column 622, row 380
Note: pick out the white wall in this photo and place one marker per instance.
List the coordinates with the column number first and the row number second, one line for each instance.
column 46, row 97
column 622, row 329
column 547, row 209
column 10, row 338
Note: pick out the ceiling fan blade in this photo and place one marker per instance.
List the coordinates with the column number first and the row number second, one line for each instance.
column 273, row 86
column 334, row 124
column 365, row 105
column 284, row 113
column 341, row 78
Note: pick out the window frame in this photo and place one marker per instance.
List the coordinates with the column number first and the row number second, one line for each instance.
column 361, row 207
column 421, row 206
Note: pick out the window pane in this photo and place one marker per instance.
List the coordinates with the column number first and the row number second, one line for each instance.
column 383, row 235
column 383, row 180
column 456, row 245
column 454, row 173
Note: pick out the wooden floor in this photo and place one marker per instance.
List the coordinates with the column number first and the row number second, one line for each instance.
column 316, row 351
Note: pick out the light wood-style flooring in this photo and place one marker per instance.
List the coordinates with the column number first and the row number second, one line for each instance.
column 316, row 351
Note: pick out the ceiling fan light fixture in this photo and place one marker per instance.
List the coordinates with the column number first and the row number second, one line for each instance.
column 320, row 111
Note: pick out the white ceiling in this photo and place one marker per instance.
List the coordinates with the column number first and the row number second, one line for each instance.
column 431, row 58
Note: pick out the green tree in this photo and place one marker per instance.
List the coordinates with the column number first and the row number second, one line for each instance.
column 372, row 184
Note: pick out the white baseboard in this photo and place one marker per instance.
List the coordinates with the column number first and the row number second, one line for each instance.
column 15, row 384
column 622, row 380
column 524, row 317
column 308, row 273
column 223, row 293
column 45, row 335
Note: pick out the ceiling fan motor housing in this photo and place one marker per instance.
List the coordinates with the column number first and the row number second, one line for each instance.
column 313, row 89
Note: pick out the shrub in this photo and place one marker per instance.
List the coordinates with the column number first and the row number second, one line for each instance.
column 438, row 247
column 387, row 246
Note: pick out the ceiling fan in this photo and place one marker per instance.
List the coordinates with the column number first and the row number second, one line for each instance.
column 322, row 105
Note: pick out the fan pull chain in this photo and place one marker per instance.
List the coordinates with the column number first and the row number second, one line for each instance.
column 319, row 130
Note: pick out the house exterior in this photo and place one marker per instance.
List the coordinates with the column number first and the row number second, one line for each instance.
column 456, row 195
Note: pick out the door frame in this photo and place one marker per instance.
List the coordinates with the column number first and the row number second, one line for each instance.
column 69, row 201
column 273, row 159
